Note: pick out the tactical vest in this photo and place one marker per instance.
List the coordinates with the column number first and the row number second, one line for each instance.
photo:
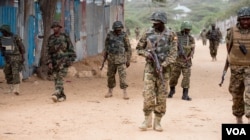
column 9, row 45
column 162, row 47
column 184, row 42
column 116, row 44
column 236, row 57
column 214, row 35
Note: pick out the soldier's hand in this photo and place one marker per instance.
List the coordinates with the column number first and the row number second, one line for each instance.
column 50, row 66
column 127, row 64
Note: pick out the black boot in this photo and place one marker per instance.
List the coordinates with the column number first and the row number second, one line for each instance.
column 185, row 95
column 171, row 93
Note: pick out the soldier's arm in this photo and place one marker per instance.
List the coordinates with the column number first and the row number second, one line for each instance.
column 20, row 45
column 229, row 39
column 128, row 48
column 192, row 43
column 71, row 49
column 49, row 45
column 141, row 46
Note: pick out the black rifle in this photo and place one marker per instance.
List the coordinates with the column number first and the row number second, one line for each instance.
column 181, row 51
column 224, row 73
column 158, row 67
column 104, row 59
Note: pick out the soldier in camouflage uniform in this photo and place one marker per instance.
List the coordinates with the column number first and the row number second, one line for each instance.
column 238, row 41
column 163, row 40
column 13, row 51
column 214, row 36
column 137, row 33
column 186, row 46
column 203, row 37
column 118, row 52
column 61, row 55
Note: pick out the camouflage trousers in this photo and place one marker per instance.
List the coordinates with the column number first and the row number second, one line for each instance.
column 175, row 74
column 239, row 88
column 204, row 41
column 112, row 69
column 11, row 72
column 213, row 47
column 154, row 94
column 58, row 75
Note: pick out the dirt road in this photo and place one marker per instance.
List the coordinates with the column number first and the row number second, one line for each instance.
column 87, row 115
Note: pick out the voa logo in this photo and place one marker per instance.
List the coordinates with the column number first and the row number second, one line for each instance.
column 236, row 131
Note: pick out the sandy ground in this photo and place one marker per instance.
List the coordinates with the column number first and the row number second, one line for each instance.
column 87, row 115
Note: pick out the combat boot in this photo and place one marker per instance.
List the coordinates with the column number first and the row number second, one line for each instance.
column 10, row 88
column 239, row 120
column 147, row 123
column 16, row 89
column 185, row 95
column 109, row 94
column 172, row 92
column 55, row 96
column 157, row 125
column 125, row 94
column 61, row 97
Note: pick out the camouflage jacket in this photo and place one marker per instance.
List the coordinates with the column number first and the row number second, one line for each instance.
column 167, row 43
column 18, row 49
column 60, row 49
column 118, row 48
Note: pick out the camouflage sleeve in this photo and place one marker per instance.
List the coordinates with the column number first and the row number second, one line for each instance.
column 142, row 45
column 20, row 45
column 71, row 50
column 106, row 44
column 128, row 48
column 192, row 43
column 49, row 59
column 173, row 50
column 228, row 38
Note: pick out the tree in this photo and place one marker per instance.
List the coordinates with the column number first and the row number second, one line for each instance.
column 47, row 8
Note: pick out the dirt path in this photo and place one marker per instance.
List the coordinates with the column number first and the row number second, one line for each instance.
column 87, row 115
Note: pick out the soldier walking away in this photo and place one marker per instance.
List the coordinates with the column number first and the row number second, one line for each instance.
column 162, row 42
column 13, row 50
column 61, row 55
column 137, row 33
column 238, row 46
column 203, row 37
column 118, row 53
column 186, row 47
column 214, row 36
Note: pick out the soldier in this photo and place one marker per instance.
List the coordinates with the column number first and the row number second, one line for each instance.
column 118, row 53
column 214, row 37
column 163, row 41
column 203, row 37
column 61, row 55
column 13, row 52
column 137, row 33
column 238, row 47
column 186, row 46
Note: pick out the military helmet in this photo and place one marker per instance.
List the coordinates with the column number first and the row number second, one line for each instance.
column 186, row 25
column 243, row 12
column 5, row 27
column 159, row 16
column 56, row 24
column 117, row 24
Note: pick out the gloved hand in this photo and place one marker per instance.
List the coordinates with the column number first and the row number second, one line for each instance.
column 149, row 56
column 127, row 64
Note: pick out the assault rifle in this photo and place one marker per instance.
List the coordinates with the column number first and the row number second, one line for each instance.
column 105, row 56
column 158, row 67
column 181, row 51
column 224, row 73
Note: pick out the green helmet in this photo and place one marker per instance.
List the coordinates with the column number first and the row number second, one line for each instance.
column 56, row 24
column 186, row 25
column 243, row 12
column 159, row 16
column 5, row 27
column 117, row 24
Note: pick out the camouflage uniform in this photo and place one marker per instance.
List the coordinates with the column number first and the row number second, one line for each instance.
column 166, row 50
column 61, row 54
column 13, row 51
column 203, row 37
column 118, row 49
column 186, row 46
column 239, row 86
column 214, row 37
